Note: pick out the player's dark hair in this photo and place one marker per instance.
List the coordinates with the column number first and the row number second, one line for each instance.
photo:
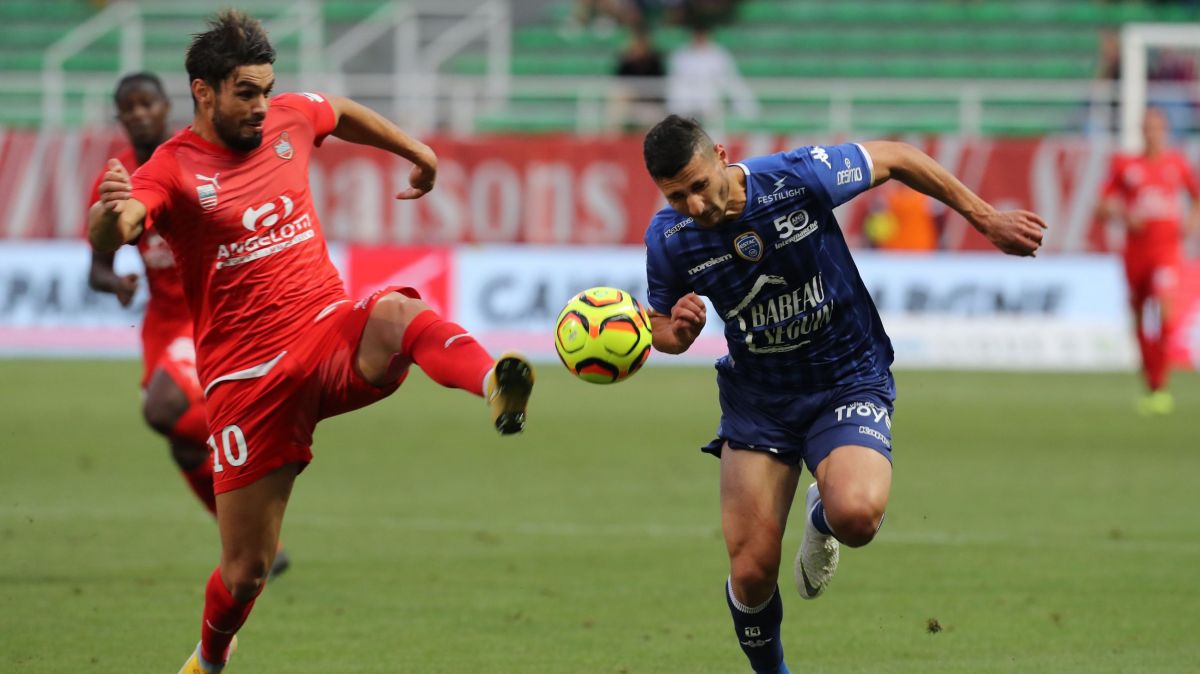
column 233, row 39
column 135, row 80
column 671, row 144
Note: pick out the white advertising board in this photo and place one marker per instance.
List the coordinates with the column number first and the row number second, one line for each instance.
column 951, row 310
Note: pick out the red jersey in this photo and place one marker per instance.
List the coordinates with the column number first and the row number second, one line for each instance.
column 254, row 263
column 166, row 311
column 1149, row 189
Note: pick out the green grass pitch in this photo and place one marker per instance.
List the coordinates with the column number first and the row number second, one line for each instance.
column 1035, row 518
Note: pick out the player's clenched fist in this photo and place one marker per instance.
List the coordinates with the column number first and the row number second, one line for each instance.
column 115, row 186
column 688, row 317
column 1014, row 232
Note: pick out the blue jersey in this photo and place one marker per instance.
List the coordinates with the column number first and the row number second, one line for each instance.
column 796, row 312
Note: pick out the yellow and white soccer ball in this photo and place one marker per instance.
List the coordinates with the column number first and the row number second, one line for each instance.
column 603, row 335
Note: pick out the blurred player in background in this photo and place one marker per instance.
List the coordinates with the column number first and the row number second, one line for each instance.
column 1142, row 192
column 172, row 400
column 279, row 344
column 807, row 379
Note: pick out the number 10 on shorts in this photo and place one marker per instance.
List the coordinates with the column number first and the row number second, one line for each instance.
column 233, row 444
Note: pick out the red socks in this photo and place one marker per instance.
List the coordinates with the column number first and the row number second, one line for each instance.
column 446, row 352
column 1155, row 357
column 223, row 617
column 200, row 479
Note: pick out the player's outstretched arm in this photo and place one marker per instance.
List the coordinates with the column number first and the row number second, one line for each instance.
column 116, row 219
column 1014, row 232
column 359, row 124
column 675, row 333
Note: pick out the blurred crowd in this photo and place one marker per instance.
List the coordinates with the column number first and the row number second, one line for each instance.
column 693, row 80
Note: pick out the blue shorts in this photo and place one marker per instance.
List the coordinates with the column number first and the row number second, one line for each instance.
column 805, row 425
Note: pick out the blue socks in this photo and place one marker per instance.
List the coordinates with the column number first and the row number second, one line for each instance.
column 757, row 630
column 818, row 519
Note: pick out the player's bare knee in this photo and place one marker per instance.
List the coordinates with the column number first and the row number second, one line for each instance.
column 758, row 571
column 857, row 525
column 245, row 578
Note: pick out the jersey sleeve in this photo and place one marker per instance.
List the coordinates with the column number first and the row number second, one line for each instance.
column 154, row 185
column 316, row 108
column 837, row 173
column 663, row 285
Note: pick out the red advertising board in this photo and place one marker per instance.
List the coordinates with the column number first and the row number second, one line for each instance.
column 426, row 269
column 558, row 189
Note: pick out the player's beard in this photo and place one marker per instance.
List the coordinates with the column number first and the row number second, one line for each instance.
column 230, row 133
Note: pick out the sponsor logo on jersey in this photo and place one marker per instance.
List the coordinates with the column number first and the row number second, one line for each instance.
column 778, row 195
column 821, row 155
column 793, row 227
column 157, row 254
column 709, row 263
column 270, row 236
column 315, row 98
column 779, row 183
column 208, row 193
column 283, row 147
column 674, row 229
column 851, row 174
column 267, row 215
column 749, row 246
column 783, row 323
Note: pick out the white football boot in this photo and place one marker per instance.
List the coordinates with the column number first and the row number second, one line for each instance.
column 817, row 558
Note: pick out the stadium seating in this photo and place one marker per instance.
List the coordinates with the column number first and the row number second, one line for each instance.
column 772, row 39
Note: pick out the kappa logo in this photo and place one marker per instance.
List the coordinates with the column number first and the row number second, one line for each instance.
column 749, row 246
column 821, row 155
column 266, row 215
column 208, row 193
column 283, row 147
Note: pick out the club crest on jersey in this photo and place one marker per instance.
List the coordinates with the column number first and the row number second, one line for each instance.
column 283, row 147
column 749, row 246
column 208, row 192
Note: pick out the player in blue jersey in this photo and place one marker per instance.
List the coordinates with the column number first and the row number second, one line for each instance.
column 807, row 379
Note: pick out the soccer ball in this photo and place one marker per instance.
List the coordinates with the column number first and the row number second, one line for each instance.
column 603, row 335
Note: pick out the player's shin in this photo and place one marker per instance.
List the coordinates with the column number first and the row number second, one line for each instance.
column 223, row 617
column 446, row 352
column 757, row 629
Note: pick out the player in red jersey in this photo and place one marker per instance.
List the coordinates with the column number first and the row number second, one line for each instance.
column 1143, row 192
column 172, row 399
column 173, row 403
column 279, row 344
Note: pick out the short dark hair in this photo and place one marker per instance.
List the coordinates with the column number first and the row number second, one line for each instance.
column 671, row 144
column 233, row 39
column 135, row 80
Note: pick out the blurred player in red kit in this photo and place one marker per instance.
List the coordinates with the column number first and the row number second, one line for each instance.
column 279, row 344
column 172, row 400
column 1143, row 193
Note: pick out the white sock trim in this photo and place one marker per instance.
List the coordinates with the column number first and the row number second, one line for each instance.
column 739, row 605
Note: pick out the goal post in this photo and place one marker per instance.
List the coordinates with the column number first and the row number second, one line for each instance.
column 1137, row 41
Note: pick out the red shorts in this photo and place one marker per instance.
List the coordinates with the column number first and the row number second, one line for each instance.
column 262, row 418
column 1151, row 276
column 171, row 348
